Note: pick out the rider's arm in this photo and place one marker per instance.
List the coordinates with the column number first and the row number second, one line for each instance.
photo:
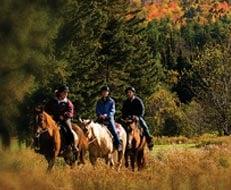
column 98, row 112
column 70, row 110
column 111, row 111
column 140, row 108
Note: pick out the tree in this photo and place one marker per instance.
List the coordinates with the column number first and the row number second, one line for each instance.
column 165, row 113
column 212, row 81
column 104, row 46
column 26, row 34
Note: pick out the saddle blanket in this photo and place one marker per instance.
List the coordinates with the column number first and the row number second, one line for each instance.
column 118, row 129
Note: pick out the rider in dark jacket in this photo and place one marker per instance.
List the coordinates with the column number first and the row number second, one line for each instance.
column 62, row 111
column 133, row 106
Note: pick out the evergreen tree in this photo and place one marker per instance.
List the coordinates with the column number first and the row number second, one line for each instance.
column 104, row 46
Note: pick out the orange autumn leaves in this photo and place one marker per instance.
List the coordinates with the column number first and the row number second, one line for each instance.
column 162, row 10
column 204, row 10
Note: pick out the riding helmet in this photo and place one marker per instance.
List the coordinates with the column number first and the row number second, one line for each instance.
column 63, row 88
column 105, row 88
column 130, row 88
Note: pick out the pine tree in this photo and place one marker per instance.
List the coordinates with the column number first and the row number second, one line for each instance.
column 104, row 46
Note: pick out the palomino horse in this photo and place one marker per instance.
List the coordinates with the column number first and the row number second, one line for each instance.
column 101, row 142
column 49, row 141
column 136, row 144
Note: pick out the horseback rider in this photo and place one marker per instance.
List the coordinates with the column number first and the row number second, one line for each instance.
column 105, row 111
column 62, row 111
column 133, row 106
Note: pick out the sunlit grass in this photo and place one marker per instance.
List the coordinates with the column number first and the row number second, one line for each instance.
column 176, row 166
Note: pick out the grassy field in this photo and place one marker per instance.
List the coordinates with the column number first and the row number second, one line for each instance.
column 198, row 163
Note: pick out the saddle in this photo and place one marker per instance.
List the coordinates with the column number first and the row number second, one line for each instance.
column 104, row 123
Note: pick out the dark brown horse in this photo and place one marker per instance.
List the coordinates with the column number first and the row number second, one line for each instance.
column 50, row 142
column 136, row 143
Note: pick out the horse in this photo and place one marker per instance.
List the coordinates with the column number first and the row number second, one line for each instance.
column 134, row 153
column 50, row 142
column 101, row 142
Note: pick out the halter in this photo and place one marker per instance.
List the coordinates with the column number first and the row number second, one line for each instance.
column 37, row 136
column 41, row 132
column 92, row 139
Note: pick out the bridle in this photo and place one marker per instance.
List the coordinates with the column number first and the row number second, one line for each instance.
column 92, row 139
column 40, row 131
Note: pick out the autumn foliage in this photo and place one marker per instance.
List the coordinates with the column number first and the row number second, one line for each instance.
column 177, row 11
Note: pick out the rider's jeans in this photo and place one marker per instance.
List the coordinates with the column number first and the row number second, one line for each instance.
column 112, row 129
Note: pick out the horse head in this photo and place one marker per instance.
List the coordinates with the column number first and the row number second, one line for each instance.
column 133, row 131
column 85, row 125
column 39, row 123
column 43, row 125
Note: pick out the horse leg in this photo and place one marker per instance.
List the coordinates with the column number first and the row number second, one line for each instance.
column 81, row 157
column 110, row 159
column 143, row 159
column 120, row 159
column 92, row 159
column 134, row 159
column 51, row 162
column 139, row 160
column 106, row 159
column 70, row 156
column 126, row 159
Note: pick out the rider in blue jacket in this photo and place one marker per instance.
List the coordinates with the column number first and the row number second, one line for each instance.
column 105, row 111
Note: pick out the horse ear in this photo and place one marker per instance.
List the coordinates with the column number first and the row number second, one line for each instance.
column 80, row 120
column 39, row 108
column 88, row 122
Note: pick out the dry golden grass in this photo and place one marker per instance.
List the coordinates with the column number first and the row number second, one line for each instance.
column 207, row 167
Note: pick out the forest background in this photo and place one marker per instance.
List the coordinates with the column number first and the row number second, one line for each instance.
column 176, row 54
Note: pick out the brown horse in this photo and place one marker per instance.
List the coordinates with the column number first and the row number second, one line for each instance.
column 50, row 142
column 135, row 146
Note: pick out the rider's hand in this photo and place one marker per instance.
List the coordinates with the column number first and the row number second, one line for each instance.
column 102, row 117
column 61, row 118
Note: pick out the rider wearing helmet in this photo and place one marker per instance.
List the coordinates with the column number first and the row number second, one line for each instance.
column 133, row 106
column 62, row 111
column 105, row 111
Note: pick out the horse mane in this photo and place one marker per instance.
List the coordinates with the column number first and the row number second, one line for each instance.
column 53, row 131
column 49, row 122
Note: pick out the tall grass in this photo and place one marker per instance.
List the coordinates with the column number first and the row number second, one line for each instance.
column 207, row 167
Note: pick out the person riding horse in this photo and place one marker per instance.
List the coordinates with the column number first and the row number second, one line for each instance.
column 105, row 111
column 62, row 111
column 133, row 106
